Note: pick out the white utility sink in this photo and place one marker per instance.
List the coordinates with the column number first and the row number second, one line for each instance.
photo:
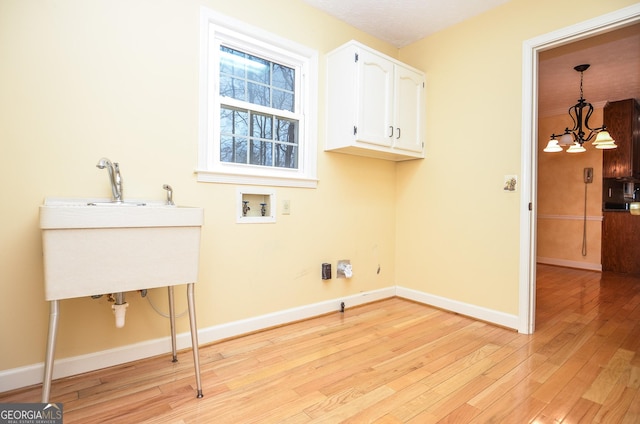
column 93, row 246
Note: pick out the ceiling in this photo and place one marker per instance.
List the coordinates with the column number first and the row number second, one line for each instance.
column 614, row 57
column 401, row 22
column 614, row 73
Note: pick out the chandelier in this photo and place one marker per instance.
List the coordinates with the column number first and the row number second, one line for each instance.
column 576, row 136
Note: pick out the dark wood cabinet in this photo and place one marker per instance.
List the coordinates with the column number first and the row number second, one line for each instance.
column 621, row 243
column 622, row 119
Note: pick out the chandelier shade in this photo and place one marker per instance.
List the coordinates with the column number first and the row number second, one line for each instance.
column 575, row 137
column 576, row 148
column 604, row 141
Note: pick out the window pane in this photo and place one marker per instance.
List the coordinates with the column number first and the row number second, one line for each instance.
column 232, row 87
column 234, row 129
column 233, row 149
column 286, row 156
column 261, row 153
column 234, row 121
column 282, row 100
column 232, row 62
column 287, row 130
column 259, row 94
column 287, row 150
column 259, row 70
column 261, row 126
column 283, row 77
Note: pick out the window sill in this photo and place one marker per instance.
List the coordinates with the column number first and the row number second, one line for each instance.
column 205, row 176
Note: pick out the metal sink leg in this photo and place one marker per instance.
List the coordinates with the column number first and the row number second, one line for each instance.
column 172, row 322
column 51, row 348
column 194, row 337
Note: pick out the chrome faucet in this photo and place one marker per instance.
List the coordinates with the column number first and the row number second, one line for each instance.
column 114, row 178
column 169, row 194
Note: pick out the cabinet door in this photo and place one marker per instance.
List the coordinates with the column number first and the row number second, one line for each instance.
column 409, row 107
column 620, row 117
column 375, row 102
column 620, row 247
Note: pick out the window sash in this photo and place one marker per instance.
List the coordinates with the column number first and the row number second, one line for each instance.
column 223, row 102
column 251, row 75
column 273, row 140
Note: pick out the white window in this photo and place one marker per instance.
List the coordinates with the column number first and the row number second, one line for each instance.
column 258, row 96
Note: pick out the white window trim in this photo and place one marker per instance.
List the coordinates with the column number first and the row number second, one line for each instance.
column 212, row 25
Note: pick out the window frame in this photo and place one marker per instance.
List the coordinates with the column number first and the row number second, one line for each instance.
column 217, row 29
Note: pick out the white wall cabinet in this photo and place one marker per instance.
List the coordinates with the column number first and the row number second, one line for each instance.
column 375, row 105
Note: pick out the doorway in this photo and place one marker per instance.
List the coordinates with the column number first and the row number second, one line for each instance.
column 529, row 159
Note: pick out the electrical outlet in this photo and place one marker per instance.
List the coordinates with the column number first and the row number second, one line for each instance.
column 326, row 271
column 344, row 270
column 286, row 207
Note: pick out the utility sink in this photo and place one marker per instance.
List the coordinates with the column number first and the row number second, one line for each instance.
column 94, row 246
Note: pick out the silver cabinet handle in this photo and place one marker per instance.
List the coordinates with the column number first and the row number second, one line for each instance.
column 398, row 134
column 391, row 129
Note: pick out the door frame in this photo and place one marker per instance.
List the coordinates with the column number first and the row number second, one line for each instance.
column 529, row 157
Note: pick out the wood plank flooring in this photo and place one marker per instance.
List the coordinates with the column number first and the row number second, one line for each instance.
column 394, row 361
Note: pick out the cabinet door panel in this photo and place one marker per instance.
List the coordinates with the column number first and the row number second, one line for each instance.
column 620, row 247
column 622, row 119
column 375, row 101
column 409, row 98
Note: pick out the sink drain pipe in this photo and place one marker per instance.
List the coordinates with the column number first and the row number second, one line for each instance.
column 120, row 309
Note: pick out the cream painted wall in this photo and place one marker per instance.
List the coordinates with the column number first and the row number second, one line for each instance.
column 80, row 80
column 458, row 231
column 561, row 197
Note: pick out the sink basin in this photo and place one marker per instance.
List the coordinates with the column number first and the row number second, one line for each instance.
column 93, row 246
column 101, row 213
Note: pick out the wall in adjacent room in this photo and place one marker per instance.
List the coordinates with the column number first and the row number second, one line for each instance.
column 561, row 200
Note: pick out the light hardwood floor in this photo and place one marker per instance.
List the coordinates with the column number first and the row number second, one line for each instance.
column 395, row 361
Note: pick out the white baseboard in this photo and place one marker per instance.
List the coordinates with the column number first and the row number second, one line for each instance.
column 32, row 374
column 236, row 328
column 569, row 264
column 473, row 311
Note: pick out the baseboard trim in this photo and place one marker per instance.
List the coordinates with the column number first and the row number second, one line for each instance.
column 249, row 325
column 473, row 311
column 589, row 266
column 32, row 374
